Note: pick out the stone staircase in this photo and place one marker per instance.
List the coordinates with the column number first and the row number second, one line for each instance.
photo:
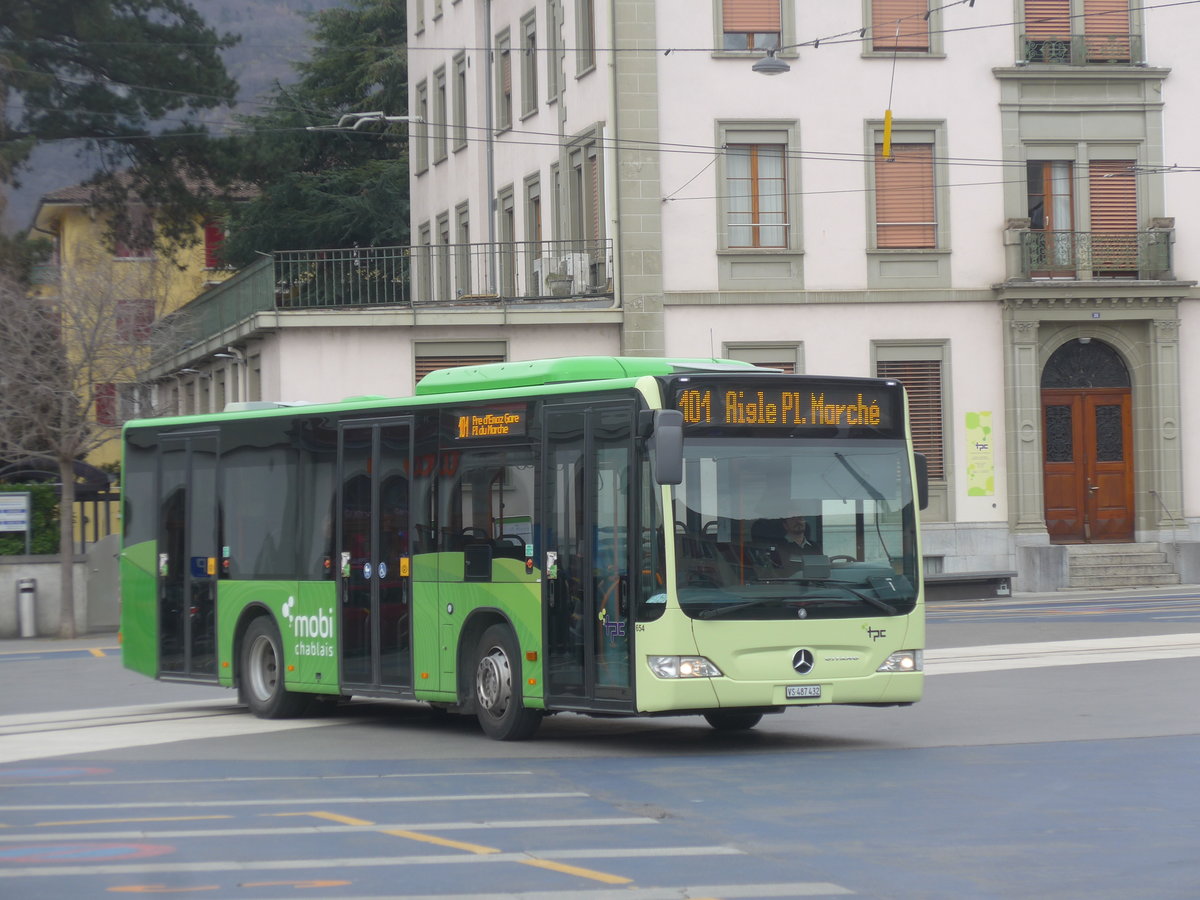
column 1100, row 566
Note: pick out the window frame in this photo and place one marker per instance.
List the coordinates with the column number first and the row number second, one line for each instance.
column 934, row 29
column 785, row 132
column 927, row 351
column 440, row 112
column 787, row 33
column 419, row 133
column 932, row 133
column 503, row 80
column 585, row 37
column 458, row 139
column 529, row 64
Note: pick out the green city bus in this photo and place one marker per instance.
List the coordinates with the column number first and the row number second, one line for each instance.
column 596, row 535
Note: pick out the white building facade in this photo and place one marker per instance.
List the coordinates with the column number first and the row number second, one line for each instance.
column 988, row 200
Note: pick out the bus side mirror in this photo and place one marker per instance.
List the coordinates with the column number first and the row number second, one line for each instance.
column 666, row 446
column 922, row 479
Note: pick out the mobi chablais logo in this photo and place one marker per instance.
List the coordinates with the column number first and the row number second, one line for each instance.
column 314, row 634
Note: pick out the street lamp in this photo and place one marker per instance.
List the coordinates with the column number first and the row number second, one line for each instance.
column 771, row 65
column 353, row 121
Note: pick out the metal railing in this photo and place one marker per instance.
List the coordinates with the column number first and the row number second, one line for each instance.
column 1088, row 254
column 447, row 274
column 1082, row 49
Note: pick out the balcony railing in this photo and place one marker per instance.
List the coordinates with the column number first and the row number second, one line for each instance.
column 423, row 275
column 1090, row 254
column 1082, row 49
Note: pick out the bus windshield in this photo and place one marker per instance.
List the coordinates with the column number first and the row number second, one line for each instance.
column 781, row 529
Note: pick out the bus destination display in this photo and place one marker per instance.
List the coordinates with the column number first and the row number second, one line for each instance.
column 505, row 421
column 786, row 406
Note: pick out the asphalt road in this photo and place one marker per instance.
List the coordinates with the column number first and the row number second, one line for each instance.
column 1054, row 756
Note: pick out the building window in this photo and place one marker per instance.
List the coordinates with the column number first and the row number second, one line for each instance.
column 756, row 182
column 586, row 193
column 116, row 404
column 134, row 235
column 214, row 237
column 533, row 235
column 134, row 320
column 1052, row 213
column 922, row 375
column 1053, row 33
column 504, row 81
column 462, row 250
column 428, row 357
column 458, row 138
column 554, row 54
column 905, row 199
column 1113, row 206
column 529, row 64
column 423, row 264
column 751, row 24
column 419, row 133
column 787, row 357
column 900, row 26
column 444, row 290
column 585, row 36
column 419, row 16
column 440, row 112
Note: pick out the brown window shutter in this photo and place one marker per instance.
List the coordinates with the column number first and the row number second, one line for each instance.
column 922, row 379
column 905, row 214
column 1113, row 206
column 423, row 365
column 906, row 16
column 1048, row 18
column 788, row 367
column 751, row 15
column 1106, row 30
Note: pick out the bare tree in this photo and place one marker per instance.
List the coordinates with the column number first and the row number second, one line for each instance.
column 70, row 373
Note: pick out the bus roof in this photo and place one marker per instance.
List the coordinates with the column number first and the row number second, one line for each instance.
column 530, row 373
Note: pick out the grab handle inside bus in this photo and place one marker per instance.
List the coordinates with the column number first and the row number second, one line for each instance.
column 922, row 466
column 666, row 446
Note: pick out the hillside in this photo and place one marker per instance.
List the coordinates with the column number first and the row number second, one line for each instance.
column 274, row 36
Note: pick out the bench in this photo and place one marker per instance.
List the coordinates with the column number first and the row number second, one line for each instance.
column 968, row 585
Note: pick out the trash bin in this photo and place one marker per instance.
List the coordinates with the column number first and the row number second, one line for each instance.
column 27, row 606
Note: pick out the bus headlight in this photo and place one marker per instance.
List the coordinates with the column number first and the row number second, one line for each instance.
column 904, row 661
column 682, row 667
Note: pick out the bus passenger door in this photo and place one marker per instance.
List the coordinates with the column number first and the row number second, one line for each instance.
column 374, row 557
column 187, row 555
column 587, row 501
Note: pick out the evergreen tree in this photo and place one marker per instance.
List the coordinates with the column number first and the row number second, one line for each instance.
column 111, row 73
column 322, row 189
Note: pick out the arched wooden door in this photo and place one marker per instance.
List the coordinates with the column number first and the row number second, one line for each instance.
column 1087, row 433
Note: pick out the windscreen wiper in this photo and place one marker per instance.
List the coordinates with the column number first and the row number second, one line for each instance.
column 865, row 598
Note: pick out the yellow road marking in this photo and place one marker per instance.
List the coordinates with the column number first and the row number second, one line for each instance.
column 443, row 842
column 576, row 870
column 96, row 651
column 332, row 817
column 141, row 819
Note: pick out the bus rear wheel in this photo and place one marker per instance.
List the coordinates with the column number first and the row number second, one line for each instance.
column 498, row 706
column 262, row 673
column 733, row 721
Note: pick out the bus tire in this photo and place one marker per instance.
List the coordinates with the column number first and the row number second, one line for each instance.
column 497, row 686
column 733, row 720
column 262, row 673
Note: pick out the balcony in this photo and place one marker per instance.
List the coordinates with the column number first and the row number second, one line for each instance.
column 1082, row 50
column 546, row 273
column 1086, row 255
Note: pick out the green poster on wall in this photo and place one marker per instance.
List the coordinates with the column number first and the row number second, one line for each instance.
column 981, row 464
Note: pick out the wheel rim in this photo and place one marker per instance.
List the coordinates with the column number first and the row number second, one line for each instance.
column 263, row 671
column 493, row 682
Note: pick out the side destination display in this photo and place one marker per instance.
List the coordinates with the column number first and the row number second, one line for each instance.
column 789, row 405
column 486, row 422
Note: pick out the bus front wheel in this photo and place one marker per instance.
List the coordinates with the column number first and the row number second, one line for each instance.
column 498, row 706
column 733, row 721
column 262, row 673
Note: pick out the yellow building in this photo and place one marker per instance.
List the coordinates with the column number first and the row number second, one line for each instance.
column 113, row 286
